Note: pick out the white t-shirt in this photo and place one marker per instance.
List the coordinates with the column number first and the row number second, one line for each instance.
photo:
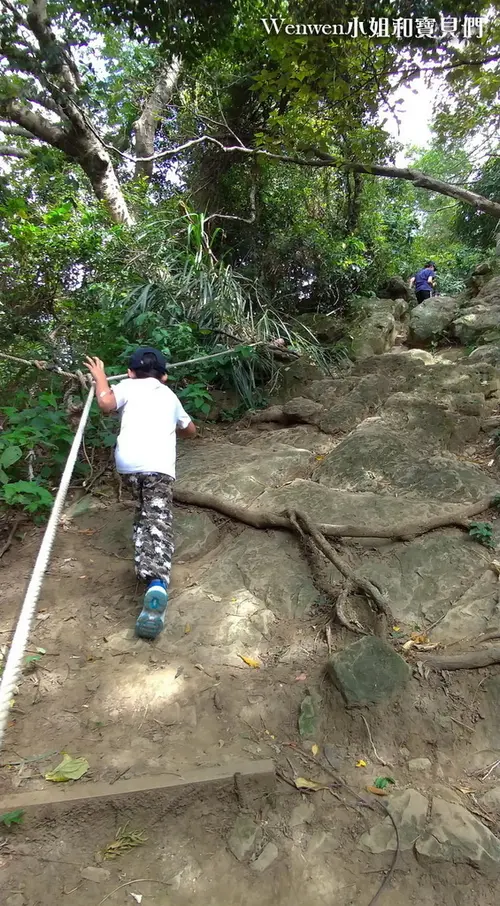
column 150, row 413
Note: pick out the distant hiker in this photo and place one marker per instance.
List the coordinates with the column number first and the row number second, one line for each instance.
column 424, row 282
column 151, row 416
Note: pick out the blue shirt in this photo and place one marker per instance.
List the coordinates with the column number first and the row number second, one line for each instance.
column 421, row 279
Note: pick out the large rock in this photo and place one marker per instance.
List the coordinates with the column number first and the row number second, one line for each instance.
column 375, row 336
column 377, row 325
column 368, row 672
column 328, row 329
column 194, row 533
column 479, row 321
column 409, row 810
column 376, row 457
column 431, row 320
column 302, row 410
column 302, row 437
column 228, row 620
column 454, row 835
column 365, row 398
column 489, row 354
column 237, row 473
column 491, row 800
column 481, row 274
column 450, row 420
column 421, row 577
column 476, row 611
column 479, row 324
column 397, row 288
column 272, row 568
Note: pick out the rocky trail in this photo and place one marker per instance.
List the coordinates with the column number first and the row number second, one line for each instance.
column 403, row 438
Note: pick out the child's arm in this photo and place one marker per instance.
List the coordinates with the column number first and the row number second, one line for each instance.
column 103, row 392
column 189, row 431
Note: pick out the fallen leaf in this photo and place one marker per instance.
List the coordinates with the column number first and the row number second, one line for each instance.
column 420, row 638
column 376, row 791
column 69, row 769
column 249, row 661
column 396, row 628
column 411, row 644
column 187, row 628
column 361, row 763
column 315, row 749
column 302, row 783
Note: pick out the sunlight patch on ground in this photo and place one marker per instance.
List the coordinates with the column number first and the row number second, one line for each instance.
column 140, row 686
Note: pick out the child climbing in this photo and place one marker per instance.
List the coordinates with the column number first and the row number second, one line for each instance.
column 151, row 416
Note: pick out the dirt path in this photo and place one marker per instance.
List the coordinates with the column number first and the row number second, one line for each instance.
column 133, row 707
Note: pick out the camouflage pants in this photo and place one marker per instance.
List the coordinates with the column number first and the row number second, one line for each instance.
column 153, row 537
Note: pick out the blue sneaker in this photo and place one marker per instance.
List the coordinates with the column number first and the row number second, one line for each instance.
column 151, row 619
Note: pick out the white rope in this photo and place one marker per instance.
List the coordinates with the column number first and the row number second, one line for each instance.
column 13, row 666
column 202, row 358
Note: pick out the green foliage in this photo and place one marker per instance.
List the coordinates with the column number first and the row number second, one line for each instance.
column 482, row 532
column 14, row 817
column 480, row 229
column 29, row 495
column 196, row 398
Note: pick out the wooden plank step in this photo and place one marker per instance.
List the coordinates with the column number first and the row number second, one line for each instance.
column 243, row 773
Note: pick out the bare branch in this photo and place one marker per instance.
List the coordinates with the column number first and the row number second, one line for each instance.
column 421, row 180
column 54, row 53
column 45, row 101
column 12, row 151
column 145, row 125
column 250, row 219
column 15, row 130
column 34, row 123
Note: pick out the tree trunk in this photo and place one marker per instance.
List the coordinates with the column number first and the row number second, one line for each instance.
column 145, row 125
column 96, row 163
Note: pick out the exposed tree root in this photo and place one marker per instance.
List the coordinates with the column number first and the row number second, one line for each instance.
column 314, row 539
column 266, row 519
column 10, row 538
column 303, row 526
column 469, row 660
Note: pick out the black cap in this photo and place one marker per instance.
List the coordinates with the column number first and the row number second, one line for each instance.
column 137, row 359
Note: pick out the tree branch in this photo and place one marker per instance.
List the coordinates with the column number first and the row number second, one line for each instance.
column 145, row 125
column 34, row 123
column 55, row 55
column 15, row 130
column 421, row 180
column 12, row 151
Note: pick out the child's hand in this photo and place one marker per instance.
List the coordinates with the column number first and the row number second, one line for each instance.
column 96, row 367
